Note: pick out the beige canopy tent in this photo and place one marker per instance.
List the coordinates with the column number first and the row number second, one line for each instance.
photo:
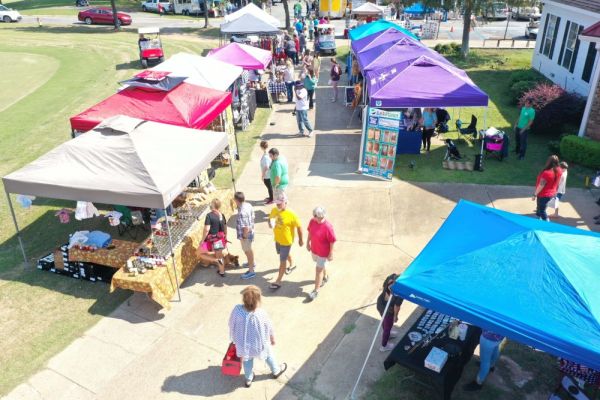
column 125, row 161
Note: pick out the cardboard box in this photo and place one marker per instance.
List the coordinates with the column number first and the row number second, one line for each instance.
column 436, row 359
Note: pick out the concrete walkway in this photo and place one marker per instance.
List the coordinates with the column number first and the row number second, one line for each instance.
column 141, row 352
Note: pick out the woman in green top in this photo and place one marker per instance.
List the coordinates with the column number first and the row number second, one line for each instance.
column 310, row 83
column 522, row 126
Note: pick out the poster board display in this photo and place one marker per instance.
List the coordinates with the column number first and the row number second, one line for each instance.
column 380, row 140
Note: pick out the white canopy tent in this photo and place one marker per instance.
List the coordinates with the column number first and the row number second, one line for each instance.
column 201, row 71
column 123, row 161
column 368, row 9
column 248, row 24
column 252, row 9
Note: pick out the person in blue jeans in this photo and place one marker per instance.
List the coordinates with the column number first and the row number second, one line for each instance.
column 302, row 105
column 251, row 330
column 489, row 353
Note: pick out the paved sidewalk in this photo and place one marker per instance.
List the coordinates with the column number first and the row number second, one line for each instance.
column 141, row 352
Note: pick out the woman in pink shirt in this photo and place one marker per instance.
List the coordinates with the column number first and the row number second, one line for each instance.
column 321, row 238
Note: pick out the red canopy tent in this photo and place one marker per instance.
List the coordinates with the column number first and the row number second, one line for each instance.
column 186, row 105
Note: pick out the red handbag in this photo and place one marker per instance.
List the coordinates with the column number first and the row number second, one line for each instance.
column 232, row 364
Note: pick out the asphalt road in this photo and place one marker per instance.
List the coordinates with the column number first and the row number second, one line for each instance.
column 451, row 30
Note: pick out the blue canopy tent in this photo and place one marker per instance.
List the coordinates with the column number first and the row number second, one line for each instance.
column 377, row 26
column 418, row 9
column 533, row 281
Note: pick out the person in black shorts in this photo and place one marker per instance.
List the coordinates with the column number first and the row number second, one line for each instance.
column 214, row 236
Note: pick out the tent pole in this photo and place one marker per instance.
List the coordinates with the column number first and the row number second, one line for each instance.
column 362, row 370
column 14, row 218
column 172, row 253
column 232, row 174
column 485, row 118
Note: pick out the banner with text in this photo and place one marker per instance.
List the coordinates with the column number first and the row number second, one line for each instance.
column 379, row 143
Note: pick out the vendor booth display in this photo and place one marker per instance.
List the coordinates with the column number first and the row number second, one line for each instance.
column 548, row 300
column 242, row 55
column 207, row 72
column 185, row 105
column 380, row 142
column 377, row 26
column 129, row 162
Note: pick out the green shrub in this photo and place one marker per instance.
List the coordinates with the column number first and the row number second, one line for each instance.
column 455, row 47
column 518, row 88
column 582, row 151
column 445, row 49
column 438, row 48
column 526, row 75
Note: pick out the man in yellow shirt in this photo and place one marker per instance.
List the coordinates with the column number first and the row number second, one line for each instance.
column 285, row 223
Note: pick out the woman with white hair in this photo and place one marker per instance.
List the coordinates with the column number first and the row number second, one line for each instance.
column 321, row 239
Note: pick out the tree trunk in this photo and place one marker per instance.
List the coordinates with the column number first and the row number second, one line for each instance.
column 464, row 51
column 115, row 16
column 205, row 14
column 286, row 8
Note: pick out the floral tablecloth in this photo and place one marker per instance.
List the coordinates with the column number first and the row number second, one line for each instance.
column 115, row 257
column 160, row 283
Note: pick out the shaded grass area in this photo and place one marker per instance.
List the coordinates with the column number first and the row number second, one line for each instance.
column 246, row 142
column 522, row 373
column 23, row 5
column 40, row 313
column 491, row 71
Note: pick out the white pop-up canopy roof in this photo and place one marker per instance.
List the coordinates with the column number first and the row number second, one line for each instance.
column 248, row 24
column 125, row 161
column 201, row 71
column 368, row 9
column 252, row 9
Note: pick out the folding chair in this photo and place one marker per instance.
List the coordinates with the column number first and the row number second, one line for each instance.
column 469, row 130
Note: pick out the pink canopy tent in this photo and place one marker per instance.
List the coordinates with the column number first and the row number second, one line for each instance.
column 242, row 55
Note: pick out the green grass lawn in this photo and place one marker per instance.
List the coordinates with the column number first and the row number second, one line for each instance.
column 53, row 73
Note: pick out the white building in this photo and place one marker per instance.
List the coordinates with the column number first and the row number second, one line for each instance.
column 559, row 53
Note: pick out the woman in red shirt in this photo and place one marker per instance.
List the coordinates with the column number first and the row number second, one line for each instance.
column 546, row 186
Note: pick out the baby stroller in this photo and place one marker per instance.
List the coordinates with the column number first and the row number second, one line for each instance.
column 452, row 152
column 469, row 130
column 493, row 145
column 442, row 120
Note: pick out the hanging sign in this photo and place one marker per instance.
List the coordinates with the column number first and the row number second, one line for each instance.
column 379, row 143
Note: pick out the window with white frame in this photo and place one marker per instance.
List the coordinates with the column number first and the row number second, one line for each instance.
column 570, row 46
column 549, row 37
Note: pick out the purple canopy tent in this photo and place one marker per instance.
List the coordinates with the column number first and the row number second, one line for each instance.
column 387, row 36
column 242, row 55
column 424, row 82
column 401, row 51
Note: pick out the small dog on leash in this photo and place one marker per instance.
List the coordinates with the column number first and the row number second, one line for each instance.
column 208, row 259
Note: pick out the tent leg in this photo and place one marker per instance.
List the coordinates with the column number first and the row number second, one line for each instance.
column 172, row 254
column 232, row 174
column 485, row 118
column 14, row 218
column 362, row 370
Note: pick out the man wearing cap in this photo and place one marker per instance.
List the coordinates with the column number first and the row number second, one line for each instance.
column 302, row 103
column 279, row 172
column 286, row 225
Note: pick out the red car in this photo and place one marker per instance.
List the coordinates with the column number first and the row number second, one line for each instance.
column 102, row 16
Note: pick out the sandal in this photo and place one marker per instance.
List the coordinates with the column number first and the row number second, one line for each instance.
column 281, row 371
column 289, row 270
column 221, row 274
column 274, row 286
column 249, row 381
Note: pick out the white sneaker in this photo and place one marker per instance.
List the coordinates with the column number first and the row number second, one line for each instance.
column 389, row 347
column 394, row 333
column 313, row 295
